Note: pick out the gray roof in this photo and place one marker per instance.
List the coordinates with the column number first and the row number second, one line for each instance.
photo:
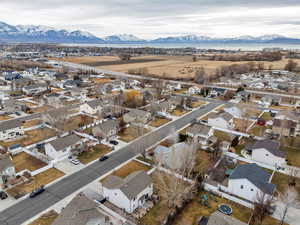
column 289, row 124
column 94, row 104
column 271, row 146
column 137, row 113
column 64, row 142
column 107, row 126
column 5, row 162
column 131, row 186
column 80, row 211
column 256, row 175
column 218, row 218
column 10, row 124
column 199, row 129
column 225, row 115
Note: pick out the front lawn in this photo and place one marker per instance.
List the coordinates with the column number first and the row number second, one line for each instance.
column 159, row 122
column 24, row 161
column 46, row 219
column 291, row 146
column 198, row 104
column 43, row 178
column 130, row 133
column 96, row 152
column 4, row 117
column 203, row 161
column 179, row 112
column 129, row 168
column 31, row 123
column 266, row 116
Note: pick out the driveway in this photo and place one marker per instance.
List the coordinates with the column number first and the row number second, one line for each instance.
column 67, row 167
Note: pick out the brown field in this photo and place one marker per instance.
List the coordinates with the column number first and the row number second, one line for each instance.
column 167, row 66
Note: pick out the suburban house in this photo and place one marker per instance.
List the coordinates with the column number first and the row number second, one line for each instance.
column 292, row 116
column 247, row 181
column 214, row 92
column 129, row 193
column 267, row 152
column 284, row 127
column 218, row 218
column 173, row 157
column 137, row 116
column 243, row 95
column 91, row 107
column 82, row 211
column 222, row 120
column 34, row 89
column 194, row 90
column 162, row 108
column 201, row 134
column 61, row 148
column 174, row 86
column 12, row 106
column 7, row 169
column 234, row 110
column 107, row 129
column 11, row 129
column 269, row 100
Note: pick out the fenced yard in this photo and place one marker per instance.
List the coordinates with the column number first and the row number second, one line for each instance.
column 23, row 161
column 94, row 153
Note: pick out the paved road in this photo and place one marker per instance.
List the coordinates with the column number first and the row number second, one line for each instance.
column 26, row 209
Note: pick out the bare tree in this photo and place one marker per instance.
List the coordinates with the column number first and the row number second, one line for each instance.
column 262, row 208
column 57, row 119
column 200, row 75
column 291, row 65
column 159, row 86
column 288, row 198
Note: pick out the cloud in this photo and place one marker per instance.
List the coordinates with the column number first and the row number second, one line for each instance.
column 150, row 18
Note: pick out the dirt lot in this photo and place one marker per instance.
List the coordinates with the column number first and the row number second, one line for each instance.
column 165, row 66
column 25, row 161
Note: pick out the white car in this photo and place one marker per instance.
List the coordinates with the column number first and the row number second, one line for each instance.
column 75, row 161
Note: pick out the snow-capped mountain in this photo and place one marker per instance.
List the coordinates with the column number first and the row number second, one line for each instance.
column 44, row 34
column 121, row 38
column 31, row 33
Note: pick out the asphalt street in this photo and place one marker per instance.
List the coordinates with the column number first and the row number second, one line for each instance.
column 28, row 208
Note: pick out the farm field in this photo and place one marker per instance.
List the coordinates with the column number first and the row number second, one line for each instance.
column 165, row 66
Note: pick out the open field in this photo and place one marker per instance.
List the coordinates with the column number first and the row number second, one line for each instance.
column 164, row 66
column 24, row 161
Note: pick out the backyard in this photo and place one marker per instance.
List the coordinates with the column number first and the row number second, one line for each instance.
column 96, row 152
column 291, row 146
column 282, row 181
column 77, row 121
column 130, row 133
column 24, row 161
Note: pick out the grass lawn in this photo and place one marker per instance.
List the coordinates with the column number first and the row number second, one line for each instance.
column 41, row 109
column 129, row 168
column 97, row 152
column 43, row 178
column 258, row 130
column 266, row 116
column 159, row 122
column 202, row 161
column 241, row 124
column 25, row 161
column 77, row 121
column 222, row 136
column 179, row 112
column 242, row 144
column 4, row 117
column 46, row 219
column 282, row 180
column 31, row 123
column 31, row 137
column 291, row 147
column 197, row 104
column 130, row 133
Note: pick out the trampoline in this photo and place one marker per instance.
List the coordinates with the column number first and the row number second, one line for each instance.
column 226, row 209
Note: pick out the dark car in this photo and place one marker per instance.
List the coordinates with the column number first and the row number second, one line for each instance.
column 113, row 142
column 103, row 158
column 3, row 195
column 37, row 191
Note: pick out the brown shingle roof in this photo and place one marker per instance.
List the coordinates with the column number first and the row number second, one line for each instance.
column 64, row 142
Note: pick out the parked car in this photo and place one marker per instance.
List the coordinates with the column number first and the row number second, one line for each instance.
column 74, row 161
column 37, row 191
column 3, row 195
column 103, row 158
column 18, row 113
column 113, row 142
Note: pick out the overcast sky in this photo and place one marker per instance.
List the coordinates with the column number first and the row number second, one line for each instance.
column 153, row 18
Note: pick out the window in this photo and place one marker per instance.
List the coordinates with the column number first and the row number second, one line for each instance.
column 267, row 154
column 242, row 186
column 251, row 189
column 115, row 193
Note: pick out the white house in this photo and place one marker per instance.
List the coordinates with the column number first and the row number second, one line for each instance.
column 137, row 116
column 194, row 90
column 128, row 193
column 34, row 89
column 234, row 110
column 173, row 157
column 267, row 152
column 247, row 181
column 11, row 129
column 222, row 120
column 91, row 107
column 7, row 169
column 200, row 133
column 60, row 148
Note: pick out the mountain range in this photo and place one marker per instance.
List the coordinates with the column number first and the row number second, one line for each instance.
column 44, row 34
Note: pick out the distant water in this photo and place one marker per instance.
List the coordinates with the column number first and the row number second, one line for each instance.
column 226, row 46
